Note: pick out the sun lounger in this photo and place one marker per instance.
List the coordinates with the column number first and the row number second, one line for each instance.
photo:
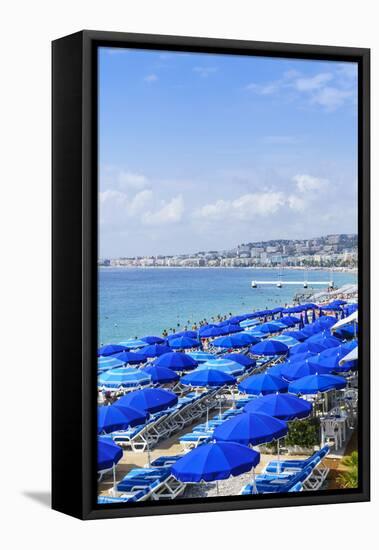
column 137, row 439
column 279, row 483
column 158, row 482
column 319, row 472
column 296, row 465
column 297, row 488
column 165, row 461
column 194, row 439
column 133, row 496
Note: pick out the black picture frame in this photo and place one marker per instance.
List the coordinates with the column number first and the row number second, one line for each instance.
column 74, row 270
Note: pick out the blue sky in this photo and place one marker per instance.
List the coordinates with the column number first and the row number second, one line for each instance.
column 203, row 152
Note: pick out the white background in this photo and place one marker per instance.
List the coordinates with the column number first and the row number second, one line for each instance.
column 26, row 31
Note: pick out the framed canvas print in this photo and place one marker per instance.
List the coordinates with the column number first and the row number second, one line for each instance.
column 210, row 275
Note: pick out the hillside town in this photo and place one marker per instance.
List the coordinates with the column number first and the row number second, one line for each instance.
column 328, row 251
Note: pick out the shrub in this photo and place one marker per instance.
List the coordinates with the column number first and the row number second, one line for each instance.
column 349, row 479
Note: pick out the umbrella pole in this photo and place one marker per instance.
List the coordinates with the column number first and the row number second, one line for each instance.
column 217, row 486
column 114, row 480
column 207, row 423
column 254, row 483
column 277, row 456
column 148, row 454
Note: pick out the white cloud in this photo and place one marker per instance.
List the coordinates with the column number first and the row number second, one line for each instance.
column 306, row 183
column 331, row 98
column 150, row 78
column 130, row 180
column 139, row 202
column 296, row 203
column 312, row 83
column 243, row 208
column 205, row 71
column 169, row 212
column 264, row 89
column 329, row 90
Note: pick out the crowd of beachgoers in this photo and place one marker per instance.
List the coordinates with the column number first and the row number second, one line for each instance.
column 209, row 408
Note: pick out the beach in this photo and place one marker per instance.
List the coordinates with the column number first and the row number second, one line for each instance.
column 186, row 438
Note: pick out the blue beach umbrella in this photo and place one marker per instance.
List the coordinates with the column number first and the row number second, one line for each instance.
column 331, row 362
column 249, row 323
column 287, row 340
column 230, row 329
column 311, row 329
column 132, row 343
column 310, row 305
column 342, row 349
column 275, row 370
column 130, row 357
column 110, row 349
column 108, row 454
column 316, row 383
column 200, row 356
column 215, row 461
column 207, row 377
column 183, row 342
column 111, row 418
column 288, row 322
column 262, row 384
column 301, row 369
column 269, row 347
column 283, row 406
column 314, row 347
column 241, row 358
column 236, row 319
column 325, row 322
column 330, row 307
column 186, row 333
column 290, row 319
column 153, row 340
column 256, row 333
column 161, row 375
column 298, row 334
column 176, row 361
column 339, row 302
column 293, row 309
column 155, row 350
column 299, row 357
column 150, row 400
column 250, row 429
column 226, row 365
column 272, row 326
column 325, row 340
column 240, row 340
column 210, row 332
column 122, row 377
column 106, row 363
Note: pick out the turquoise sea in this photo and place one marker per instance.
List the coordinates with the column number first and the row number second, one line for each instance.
column 137, row 302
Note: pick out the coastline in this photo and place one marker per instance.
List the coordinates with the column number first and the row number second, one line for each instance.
column 339, row 269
